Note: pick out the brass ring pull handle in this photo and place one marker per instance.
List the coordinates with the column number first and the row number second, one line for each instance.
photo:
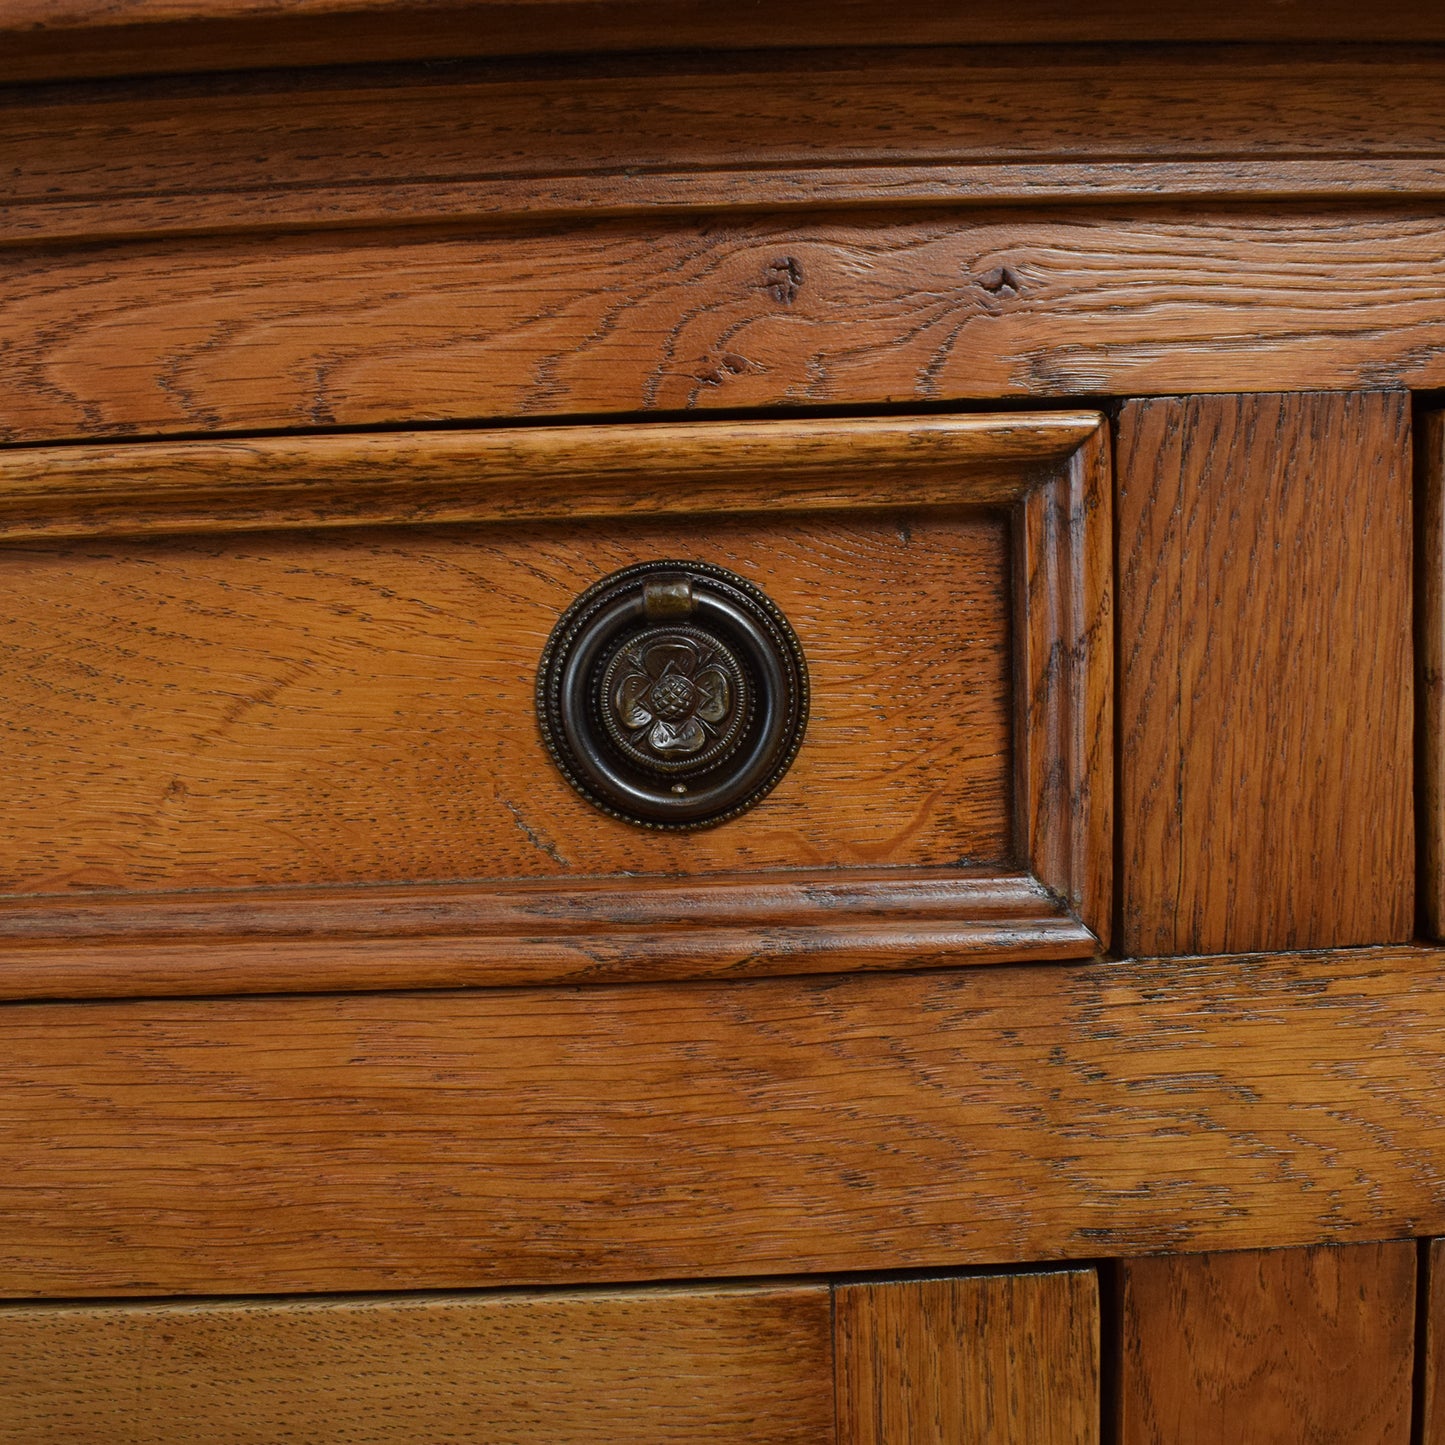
column 673, row 694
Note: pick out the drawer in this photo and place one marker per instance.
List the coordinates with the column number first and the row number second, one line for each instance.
column 790, row 1363
column 274, row 704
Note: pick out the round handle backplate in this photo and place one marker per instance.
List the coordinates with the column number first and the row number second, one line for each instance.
column 673, row 694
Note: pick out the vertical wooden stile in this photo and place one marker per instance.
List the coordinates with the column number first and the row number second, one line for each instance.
column 1009, row 1359
column 1266, row 716
column 1274, row 1347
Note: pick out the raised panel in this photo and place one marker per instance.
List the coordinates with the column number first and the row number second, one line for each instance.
column 1287, row 1347
column 1266, row 714
column 300, row 748
column 1007, row 1359
column 725, row 1365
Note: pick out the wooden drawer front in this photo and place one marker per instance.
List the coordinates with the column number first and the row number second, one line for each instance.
column 274, row 727
column 728, row 1366
column 1008, row 1358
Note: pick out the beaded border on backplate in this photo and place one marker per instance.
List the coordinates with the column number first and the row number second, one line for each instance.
column 584, row 607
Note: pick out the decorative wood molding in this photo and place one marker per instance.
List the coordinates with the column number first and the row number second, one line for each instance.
column 68, row 38
column 1048, row 473
column 776, row 131
column 530, row 473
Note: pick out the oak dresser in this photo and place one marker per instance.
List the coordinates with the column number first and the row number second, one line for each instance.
column 722, row 724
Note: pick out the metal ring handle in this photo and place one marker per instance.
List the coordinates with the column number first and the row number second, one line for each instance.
column 673, row 694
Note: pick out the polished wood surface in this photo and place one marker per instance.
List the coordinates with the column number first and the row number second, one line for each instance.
column 780, row 130
column 1287, row 1347
column 1010, row 1359
column 460, row 322
column 736, row 1364
column 982, row 1116
column 118, row 37
column 1266, row 715
column 280, row 695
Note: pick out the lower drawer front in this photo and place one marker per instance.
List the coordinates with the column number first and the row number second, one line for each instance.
column 923, row 1360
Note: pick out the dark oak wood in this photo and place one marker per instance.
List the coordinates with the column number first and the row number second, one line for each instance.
column 1430, row 664
column 1432, row 1367
column 278, row 714
column 920, row 1121
column 608, row 316
column 714, row 1364
column 118, row 37
column 1287, row 1347
column 1265, row 689
column 1011, row 1359
column 776, row 130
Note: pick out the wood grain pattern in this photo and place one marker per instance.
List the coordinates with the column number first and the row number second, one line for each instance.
column 120, row 37
column 1289, row 1347
column 318, row 682
column 361, row 328
column 1266, row 714
column 781, row 130
column 357, row 707
column 738, row 1364
column 1432, row 1366
column 704, row 1130
column 1430, row 664
column 1011, row 1359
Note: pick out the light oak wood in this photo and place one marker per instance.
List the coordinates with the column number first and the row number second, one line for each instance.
column 299, row 940
column 715, row 1364
column 358, row 707
column 1289, row 1347
column 350, row 329
column 942, row 1120
column 684, row 470
column 1011, row 1359
column 776, row 130
column 344, row 709
column 1266, row 708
